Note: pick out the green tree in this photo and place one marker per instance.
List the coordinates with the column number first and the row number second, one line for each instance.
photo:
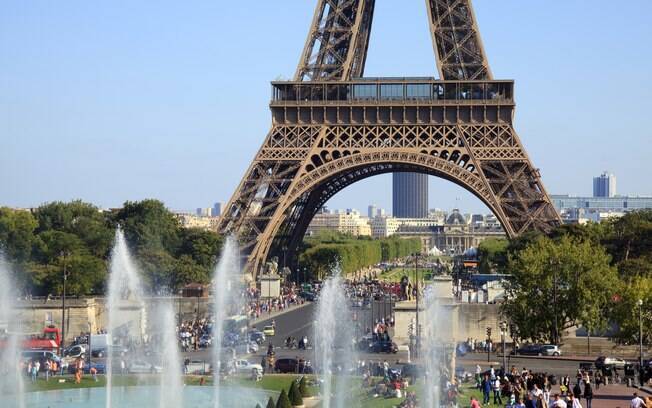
column 17, row 234
column 576, row 273
column 303, row 388
column 283, row 401
column 148, row 225
column 626, row 310
column 295, row 395
column 84, row 220
column 493, row 254
column 270, row 403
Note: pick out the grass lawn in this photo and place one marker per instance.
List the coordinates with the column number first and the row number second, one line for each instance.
column 271, row 382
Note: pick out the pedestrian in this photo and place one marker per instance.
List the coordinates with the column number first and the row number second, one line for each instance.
column 577, row 390
column 496, row 387
column 588, row 394
column 34, row 372
column 474, row 403
column 94, row 373
column 558, row 402
column 48, row 367
column 530, row 402
column 541, row 403
column 486, row 389
column 637, row 402
column 574, row 401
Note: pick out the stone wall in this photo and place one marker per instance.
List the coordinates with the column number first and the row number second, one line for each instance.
column 35, row 314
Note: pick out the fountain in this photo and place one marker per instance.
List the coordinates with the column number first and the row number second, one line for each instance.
column 11, row 380
column 333, row 330
column 171, row 386
column 227, row 300
column 437, row 342
column 125, row 305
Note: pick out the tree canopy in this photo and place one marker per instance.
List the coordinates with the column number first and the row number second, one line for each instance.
column 79, row 237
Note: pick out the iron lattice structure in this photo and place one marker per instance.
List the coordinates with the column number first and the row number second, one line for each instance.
column 331, row 128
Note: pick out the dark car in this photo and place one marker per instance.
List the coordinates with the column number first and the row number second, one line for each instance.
column 309, row 296
column 257, row 337
column 382, row 346
column 292, row 365
column 529, row 350
column 413, row 371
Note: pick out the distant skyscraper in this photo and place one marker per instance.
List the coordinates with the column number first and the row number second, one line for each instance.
column 381, row 212
column 217, row 209
column 371, row 211
column 604, row 185
column 410, row 195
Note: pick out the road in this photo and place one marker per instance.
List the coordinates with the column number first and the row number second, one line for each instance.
column 300, row 322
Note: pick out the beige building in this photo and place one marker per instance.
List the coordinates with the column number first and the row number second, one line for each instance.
column 349, row 222
column 195, row 221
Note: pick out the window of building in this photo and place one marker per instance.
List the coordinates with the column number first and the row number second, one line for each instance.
column 391, row 91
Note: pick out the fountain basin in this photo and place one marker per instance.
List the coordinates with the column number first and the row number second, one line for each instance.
column 142, row 396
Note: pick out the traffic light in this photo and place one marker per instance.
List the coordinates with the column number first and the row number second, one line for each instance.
column 410, row 329
column 488, row 332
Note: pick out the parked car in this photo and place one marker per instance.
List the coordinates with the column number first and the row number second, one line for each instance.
column 143, row 367
column 40, row 355
column 269, row 330
column 104, row 351
column 413, row 371
column 75, row 351
column 382, row 346
column 257, row 336
column 292, row 365
column 550, row 350
column 604, row 362
column 205, row 341
column 531, row 350
column 245, row 367
column 309, row 296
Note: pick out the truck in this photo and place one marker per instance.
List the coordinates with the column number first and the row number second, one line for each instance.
column 50, row 340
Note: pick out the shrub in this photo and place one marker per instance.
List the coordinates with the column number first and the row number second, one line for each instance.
column 283, row 400
column 295, row 395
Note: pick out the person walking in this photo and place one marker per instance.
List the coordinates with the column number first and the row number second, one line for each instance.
column 588, row 394
column 637, row 402
column 486, row 389
column 48, row 367
column 496, row 387
column 574, row 402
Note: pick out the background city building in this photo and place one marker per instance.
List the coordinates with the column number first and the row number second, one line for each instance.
column 604, row 185
column 409, row 195
column 346, row 222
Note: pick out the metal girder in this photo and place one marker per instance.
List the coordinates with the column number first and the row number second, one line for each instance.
column 456, row 39
column 336, row 48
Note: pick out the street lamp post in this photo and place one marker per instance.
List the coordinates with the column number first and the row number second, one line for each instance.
column 503, row 330
column 640, row 334
column 63, row 304
column 554, row 302
column 416, row 278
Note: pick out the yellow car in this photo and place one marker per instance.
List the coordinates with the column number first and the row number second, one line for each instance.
column 268, row 330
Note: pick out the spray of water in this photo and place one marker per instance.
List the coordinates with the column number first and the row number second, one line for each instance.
column 334, row 354
column 435, row 342
column 171, row 387
column 11, row 380
column 124, row 300
column 226, row 302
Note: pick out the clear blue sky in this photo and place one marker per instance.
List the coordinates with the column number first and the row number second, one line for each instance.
column 124, row 100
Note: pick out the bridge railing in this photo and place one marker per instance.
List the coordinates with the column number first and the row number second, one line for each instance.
column 392, row 89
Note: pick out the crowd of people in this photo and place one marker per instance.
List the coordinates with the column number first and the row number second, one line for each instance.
column 257, row 307
column 527, row 389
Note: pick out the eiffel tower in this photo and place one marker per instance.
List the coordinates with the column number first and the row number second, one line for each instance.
column 332, row 127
